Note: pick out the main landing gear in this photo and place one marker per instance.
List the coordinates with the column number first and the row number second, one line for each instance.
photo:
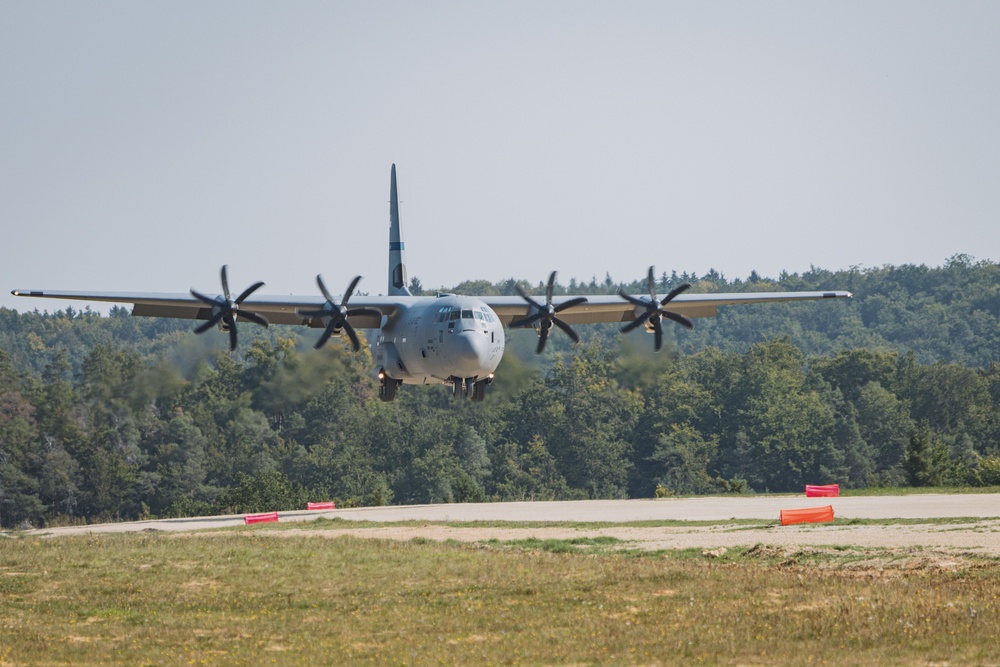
column 472, row 388
column 387, row 387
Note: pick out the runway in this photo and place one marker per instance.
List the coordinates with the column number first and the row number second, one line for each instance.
column 709, row 508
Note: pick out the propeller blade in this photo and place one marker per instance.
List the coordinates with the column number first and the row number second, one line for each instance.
column 548, row 288
column 567, row 328
column 674, row 292
column 253, row 317
column 353, row 336
column 225, row 283
column 680, row 319
column 322, row 288
column 651, row 283
column 326, row 335
column 633, row 300
column 247, row 292
column 542, row 337
column 527, row 297
column 638, row 322
column 232, row 335
column 350, row 290
column 527, row 321
column 212, row 321
column 331, row 329
column 657, row 332
column 571, row 303
column 204, row 298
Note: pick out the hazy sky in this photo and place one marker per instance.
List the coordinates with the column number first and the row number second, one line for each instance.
column 145, row 144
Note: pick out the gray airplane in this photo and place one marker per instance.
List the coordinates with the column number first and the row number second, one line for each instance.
column 445, row 339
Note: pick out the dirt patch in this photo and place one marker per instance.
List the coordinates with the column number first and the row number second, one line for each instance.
column 886, row 546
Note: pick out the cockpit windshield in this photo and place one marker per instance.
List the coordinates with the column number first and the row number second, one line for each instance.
column 452, row 313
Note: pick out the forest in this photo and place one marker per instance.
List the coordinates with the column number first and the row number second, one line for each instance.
column 110, row 417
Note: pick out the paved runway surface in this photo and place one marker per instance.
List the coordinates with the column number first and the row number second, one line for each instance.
column 612, row 511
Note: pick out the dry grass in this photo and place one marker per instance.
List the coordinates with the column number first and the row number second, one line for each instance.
column 246, row 597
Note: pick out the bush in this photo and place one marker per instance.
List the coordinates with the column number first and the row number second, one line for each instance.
column 189, row 507
column 734, row 485
column 268, row 492
column 988, row 473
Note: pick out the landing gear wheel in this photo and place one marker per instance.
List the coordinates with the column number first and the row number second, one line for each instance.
column 479, row 391
column 459, row 388
column 387, row 390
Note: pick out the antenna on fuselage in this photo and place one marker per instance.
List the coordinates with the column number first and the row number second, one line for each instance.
column 397, row 255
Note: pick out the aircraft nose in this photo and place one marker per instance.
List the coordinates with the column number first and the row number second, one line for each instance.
column 470, row 350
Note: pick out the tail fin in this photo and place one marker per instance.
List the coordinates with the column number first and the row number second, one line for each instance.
column 397, row 256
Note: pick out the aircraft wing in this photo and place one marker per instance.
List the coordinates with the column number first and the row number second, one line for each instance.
column 616, row 309
column 282, row 309
column 277, row 309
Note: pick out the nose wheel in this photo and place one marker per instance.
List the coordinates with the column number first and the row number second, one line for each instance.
column 471, row 388
column 479, row 391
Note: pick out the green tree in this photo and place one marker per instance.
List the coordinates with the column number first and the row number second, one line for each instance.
column 926, row 462
column 19, row 458
column 684, row 455
column 593, row 449
column 884, row 422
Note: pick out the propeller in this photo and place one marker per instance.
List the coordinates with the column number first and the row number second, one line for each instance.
column 654, row 310
column 338, row 314
column 547, row 314
column 225, row 309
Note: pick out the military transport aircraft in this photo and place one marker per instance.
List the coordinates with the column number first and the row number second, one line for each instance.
column 443, row 339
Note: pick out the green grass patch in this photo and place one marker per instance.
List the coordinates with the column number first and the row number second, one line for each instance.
column 338, row 523
column 253, row 598
column 590, row 545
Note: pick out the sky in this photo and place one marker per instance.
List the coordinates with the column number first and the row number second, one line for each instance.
column 145, row 144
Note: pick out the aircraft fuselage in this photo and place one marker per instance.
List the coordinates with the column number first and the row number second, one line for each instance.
column 439, row 340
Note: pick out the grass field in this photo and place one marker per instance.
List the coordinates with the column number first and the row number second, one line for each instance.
column 256, row 596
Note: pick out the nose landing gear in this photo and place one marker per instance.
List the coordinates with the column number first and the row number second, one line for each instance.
column 471, row 388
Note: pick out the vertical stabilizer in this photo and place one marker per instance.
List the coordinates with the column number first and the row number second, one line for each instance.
column 397, row 256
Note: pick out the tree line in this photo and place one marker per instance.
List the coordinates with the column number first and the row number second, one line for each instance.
column 120, row 417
